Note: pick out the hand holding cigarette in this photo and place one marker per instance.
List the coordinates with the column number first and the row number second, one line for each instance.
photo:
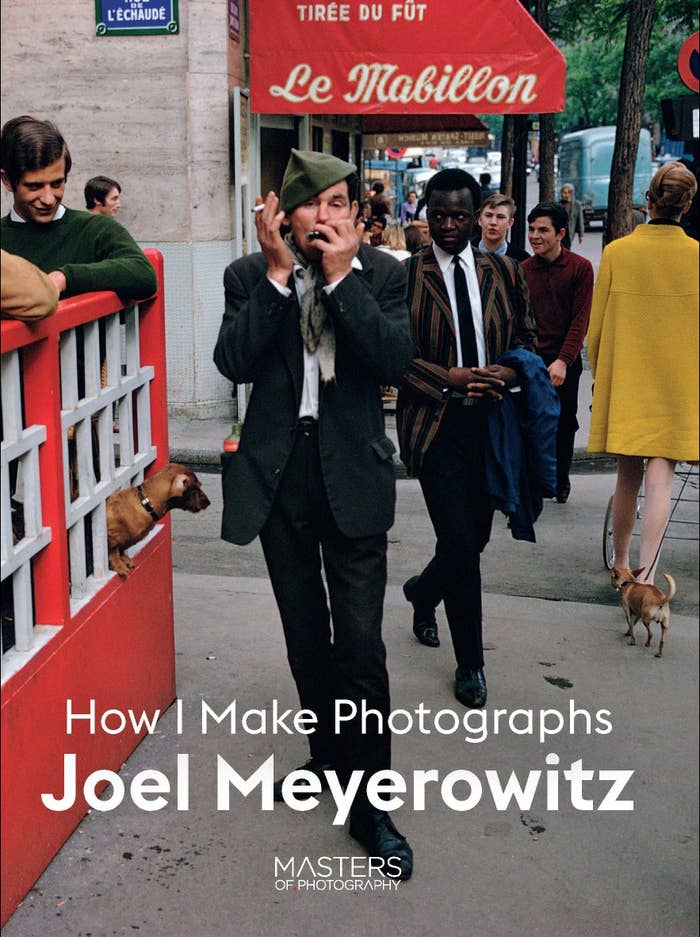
column 268, row 220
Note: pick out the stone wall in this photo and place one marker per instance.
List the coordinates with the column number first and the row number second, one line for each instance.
column 152, row 112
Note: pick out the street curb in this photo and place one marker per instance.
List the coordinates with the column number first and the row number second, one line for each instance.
column 209, row 462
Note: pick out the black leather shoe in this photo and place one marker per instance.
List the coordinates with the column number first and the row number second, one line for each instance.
column 425, row 625
column 375, row 831
column 315, row 767
column 563, row 494
column 470, row 687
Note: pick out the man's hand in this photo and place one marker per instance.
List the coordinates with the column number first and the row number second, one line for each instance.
column 477, row 382
column 509, row 376
column 340, row 248
column 557, row 372
column 58, row 279
column 268, row 222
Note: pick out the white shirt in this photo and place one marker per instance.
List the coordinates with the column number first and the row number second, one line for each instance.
column 308, row 405
column 466, row 259
column 60, row 212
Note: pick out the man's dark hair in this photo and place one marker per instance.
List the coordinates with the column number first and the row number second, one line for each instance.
column 379, row 219
column 98, row 188
column 550, row 210
column 29, row 144
column 485, row 178
column 377, row 187
column 453, row 180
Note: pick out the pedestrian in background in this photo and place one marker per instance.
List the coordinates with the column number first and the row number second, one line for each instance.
column 408, row 209
column 394, row 242
column 574, row 214
column 643, row 350
column 495, row 219
column 102, row 196
column 413, row 235
column 485, row 185
column 561, row 288
column 379, row 202
column 376, row 230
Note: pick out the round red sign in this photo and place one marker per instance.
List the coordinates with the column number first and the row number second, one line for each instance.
column 689, row 62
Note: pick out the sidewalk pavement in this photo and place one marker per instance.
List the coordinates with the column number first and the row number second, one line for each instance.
column 199, row 442
column 531, row 870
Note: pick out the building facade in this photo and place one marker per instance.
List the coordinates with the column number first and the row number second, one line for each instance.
column 167, row 116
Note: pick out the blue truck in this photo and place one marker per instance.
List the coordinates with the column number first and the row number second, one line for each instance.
column 585, row 158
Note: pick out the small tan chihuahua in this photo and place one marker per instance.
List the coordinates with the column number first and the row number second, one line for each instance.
column 643, row 600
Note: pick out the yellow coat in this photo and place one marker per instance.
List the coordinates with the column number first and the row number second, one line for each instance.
column 643, row 346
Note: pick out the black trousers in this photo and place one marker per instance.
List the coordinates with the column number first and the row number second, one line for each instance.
column 452, row 479
column 347, row 660
column 568, row 421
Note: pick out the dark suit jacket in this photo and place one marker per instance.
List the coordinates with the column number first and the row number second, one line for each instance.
column 508, row 323
column 515, row 253
column 259, row 342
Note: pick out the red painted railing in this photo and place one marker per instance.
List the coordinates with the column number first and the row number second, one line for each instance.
column 114, row 646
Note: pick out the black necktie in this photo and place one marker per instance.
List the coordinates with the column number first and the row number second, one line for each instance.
column 470, row 355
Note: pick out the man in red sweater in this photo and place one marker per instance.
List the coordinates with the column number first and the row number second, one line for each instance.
column 561, row 289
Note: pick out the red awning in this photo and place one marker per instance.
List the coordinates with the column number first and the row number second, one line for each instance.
column 411, row 57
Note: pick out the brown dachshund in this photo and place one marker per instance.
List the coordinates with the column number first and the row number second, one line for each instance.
column 133, row 512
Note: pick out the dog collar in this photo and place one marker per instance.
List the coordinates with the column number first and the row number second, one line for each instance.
column 627, row 582
column 145, row 503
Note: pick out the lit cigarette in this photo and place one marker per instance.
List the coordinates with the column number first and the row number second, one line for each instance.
column 259, row 207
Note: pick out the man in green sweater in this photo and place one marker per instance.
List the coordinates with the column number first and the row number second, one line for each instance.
column 79, row 251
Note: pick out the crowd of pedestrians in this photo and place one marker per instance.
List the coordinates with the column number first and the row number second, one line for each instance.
column 484, row 345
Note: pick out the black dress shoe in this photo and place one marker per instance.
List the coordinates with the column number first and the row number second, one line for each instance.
column 315, row 767
column 424, row 623
column 470, row 687
column 563, row 493
column 375, row 830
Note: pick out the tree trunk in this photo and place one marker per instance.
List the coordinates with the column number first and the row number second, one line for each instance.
column 629, row 119
column 547, row 147
column 519, row 187
column 546, row 154
column 507, row 137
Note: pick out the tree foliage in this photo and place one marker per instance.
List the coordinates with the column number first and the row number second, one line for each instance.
column 571, row 21
column 593, row 78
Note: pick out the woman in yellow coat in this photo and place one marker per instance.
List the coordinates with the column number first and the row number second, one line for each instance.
column 643, row 349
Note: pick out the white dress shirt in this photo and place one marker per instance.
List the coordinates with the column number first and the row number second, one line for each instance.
column 60, row 212
column 466, row 259
column 308, row 405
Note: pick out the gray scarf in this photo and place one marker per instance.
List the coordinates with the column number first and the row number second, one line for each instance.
column 315, row 324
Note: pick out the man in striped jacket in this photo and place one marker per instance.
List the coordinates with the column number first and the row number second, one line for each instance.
column 466, row 308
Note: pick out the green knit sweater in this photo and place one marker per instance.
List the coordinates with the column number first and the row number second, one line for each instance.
column 93, row 252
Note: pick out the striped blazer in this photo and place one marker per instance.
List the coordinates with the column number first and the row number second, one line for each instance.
column 508, row 323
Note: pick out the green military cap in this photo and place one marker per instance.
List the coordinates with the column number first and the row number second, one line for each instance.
column 309, row 173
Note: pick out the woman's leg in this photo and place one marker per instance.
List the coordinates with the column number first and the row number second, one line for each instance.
column 630, row 471
column 657, row 501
